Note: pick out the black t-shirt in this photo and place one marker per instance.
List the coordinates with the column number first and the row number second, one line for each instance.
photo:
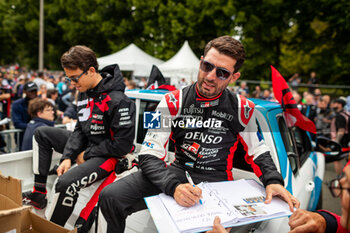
column 340, row 123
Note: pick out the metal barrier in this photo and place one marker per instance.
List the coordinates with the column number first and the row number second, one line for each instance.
column 11, row 137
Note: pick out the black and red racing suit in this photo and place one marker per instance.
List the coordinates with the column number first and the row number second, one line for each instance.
column 206, row 133
column 105, row 131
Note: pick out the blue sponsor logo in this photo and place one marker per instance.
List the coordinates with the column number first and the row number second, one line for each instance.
column 148, row 144
column 151, row 120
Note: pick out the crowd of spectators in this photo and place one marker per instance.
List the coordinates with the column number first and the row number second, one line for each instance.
column 19, row 86
column 51, row 86
column 330, row 114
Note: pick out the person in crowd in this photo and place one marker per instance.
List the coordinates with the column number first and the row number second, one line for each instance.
column 327, row 100
column 126, row 82
column 267, row 95
column 309, row 109
column 19, row 86
column 257, row 93
column 323, row 221
column 317, row 95
column 297, row 97
column 131, row 85
column 142, row 83
column 42, row 114
column 66, row 98
column 52, row 96
column 203, row 100
column 312, row 82
column 70, row 116
column 61, row 86
column 52, row 83
column 323, row 119
column 42, row 91
column 5, row 96
column 105, row 132
column 294, row 81
column 243, row 87
column 5, row 88
column 339, row 128
column 40, row 79
column 20, row 116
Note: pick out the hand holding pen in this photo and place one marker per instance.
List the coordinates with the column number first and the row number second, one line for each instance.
column 187, row 194
column 189, row 178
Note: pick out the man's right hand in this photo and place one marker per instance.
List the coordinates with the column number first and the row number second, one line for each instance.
column 187, row 195
column 64, row 166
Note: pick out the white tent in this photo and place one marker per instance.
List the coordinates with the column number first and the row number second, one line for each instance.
column 131, row 58
column 184, row 64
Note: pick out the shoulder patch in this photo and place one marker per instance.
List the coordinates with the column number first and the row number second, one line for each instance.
column 245, row 109
column 173, row 101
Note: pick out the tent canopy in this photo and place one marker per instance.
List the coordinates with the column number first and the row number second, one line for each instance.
column 184, row 64
column 131, row 58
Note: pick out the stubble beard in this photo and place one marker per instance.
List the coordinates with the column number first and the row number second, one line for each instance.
column 204, row 92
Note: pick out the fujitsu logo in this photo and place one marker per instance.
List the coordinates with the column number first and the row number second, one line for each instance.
column 193, row 109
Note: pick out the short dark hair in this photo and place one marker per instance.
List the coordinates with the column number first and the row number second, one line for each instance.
column 37, row 105
column 51, row 92
column 229, row 46
column 340, row 101
column 79, row 56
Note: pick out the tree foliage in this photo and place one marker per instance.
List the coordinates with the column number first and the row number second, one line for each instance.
column 294, row 36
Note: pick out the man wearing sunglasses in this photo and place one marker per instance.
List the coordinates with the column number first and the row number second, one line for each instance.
column 209, row 123
column 322, row 220
column 105, row 131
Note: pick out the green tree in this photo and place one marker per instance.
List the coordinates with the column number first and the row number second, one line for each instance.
column 323, row 36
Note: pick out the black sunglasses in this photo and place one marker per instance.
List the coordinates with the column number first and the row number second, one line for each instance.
column 67, row 79
column 335, row 186
column 221, row 73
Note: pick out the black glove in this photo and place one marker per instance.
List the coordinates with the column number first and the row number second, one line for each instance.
column 122, row 165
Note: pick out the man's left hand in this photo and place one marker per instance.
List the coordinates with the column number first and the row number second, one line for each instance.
column 279, row 190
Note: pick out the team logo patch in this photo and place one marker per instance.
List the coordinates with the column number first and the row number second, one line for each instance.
column 152, row 120
column 246, row 109
column 172, row 100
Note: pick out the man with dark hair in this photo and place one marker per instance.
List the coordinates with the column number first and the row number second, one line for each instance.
column 105, row 131
column 205, row 151
column 19, row 113
column 339, row 128
column 42, row 114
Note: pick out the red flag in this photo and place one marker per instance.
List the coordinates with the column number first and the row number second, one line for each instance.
column 167, row 87
column 285, row 98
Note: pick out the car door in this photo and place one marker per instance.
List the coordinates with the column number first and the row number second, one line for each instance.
column 311, row 171
column 303, row 164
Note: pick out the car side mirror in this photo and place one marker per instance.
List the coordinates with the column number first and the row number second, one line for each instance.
column 331, row 149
